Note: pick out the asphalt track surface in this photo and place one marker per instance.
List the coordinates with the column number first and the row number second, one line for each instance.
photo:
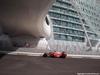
column 31, row 65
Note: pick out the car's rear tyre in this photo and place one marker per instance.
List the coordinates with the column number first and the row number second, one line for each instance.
column 45, row 55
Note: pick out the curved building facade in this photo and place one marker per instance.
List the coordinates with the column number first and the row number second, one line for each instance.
column 25, row 17
column 76, row 25
column 24, row 21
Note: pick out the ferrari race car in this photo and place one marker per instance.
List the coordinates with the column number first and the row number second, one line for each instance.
column 55, row 54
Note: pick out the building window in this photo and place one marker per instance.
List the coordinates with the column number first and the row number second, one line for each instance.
column 63, row 37
column 63, row 23
column 56, row 2
column 69, row 38
column 70, row 31
column 63, row 30
column 56, row 9
column 56, row 29
column 63, row 17
column 56, row 22
column 57, row 36
column 51, row 14
column 63, row 10
column 56, row 15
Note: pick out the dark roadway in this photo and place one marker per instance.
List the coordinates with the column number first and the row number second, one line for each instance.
column 29, row 65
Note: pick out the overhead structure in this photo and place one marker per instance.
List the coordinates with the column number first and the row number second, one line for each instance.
column 19, row 17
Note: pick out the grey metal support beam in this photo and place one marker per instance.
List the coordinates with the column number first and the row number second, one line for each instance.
column 74, row 4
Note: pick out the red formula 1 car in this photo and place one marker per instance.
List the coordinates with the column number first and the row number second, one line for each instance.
column 55, row 54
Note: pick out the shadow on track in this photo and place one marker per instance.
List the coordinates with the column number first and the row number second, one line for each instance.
column 2, row 55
